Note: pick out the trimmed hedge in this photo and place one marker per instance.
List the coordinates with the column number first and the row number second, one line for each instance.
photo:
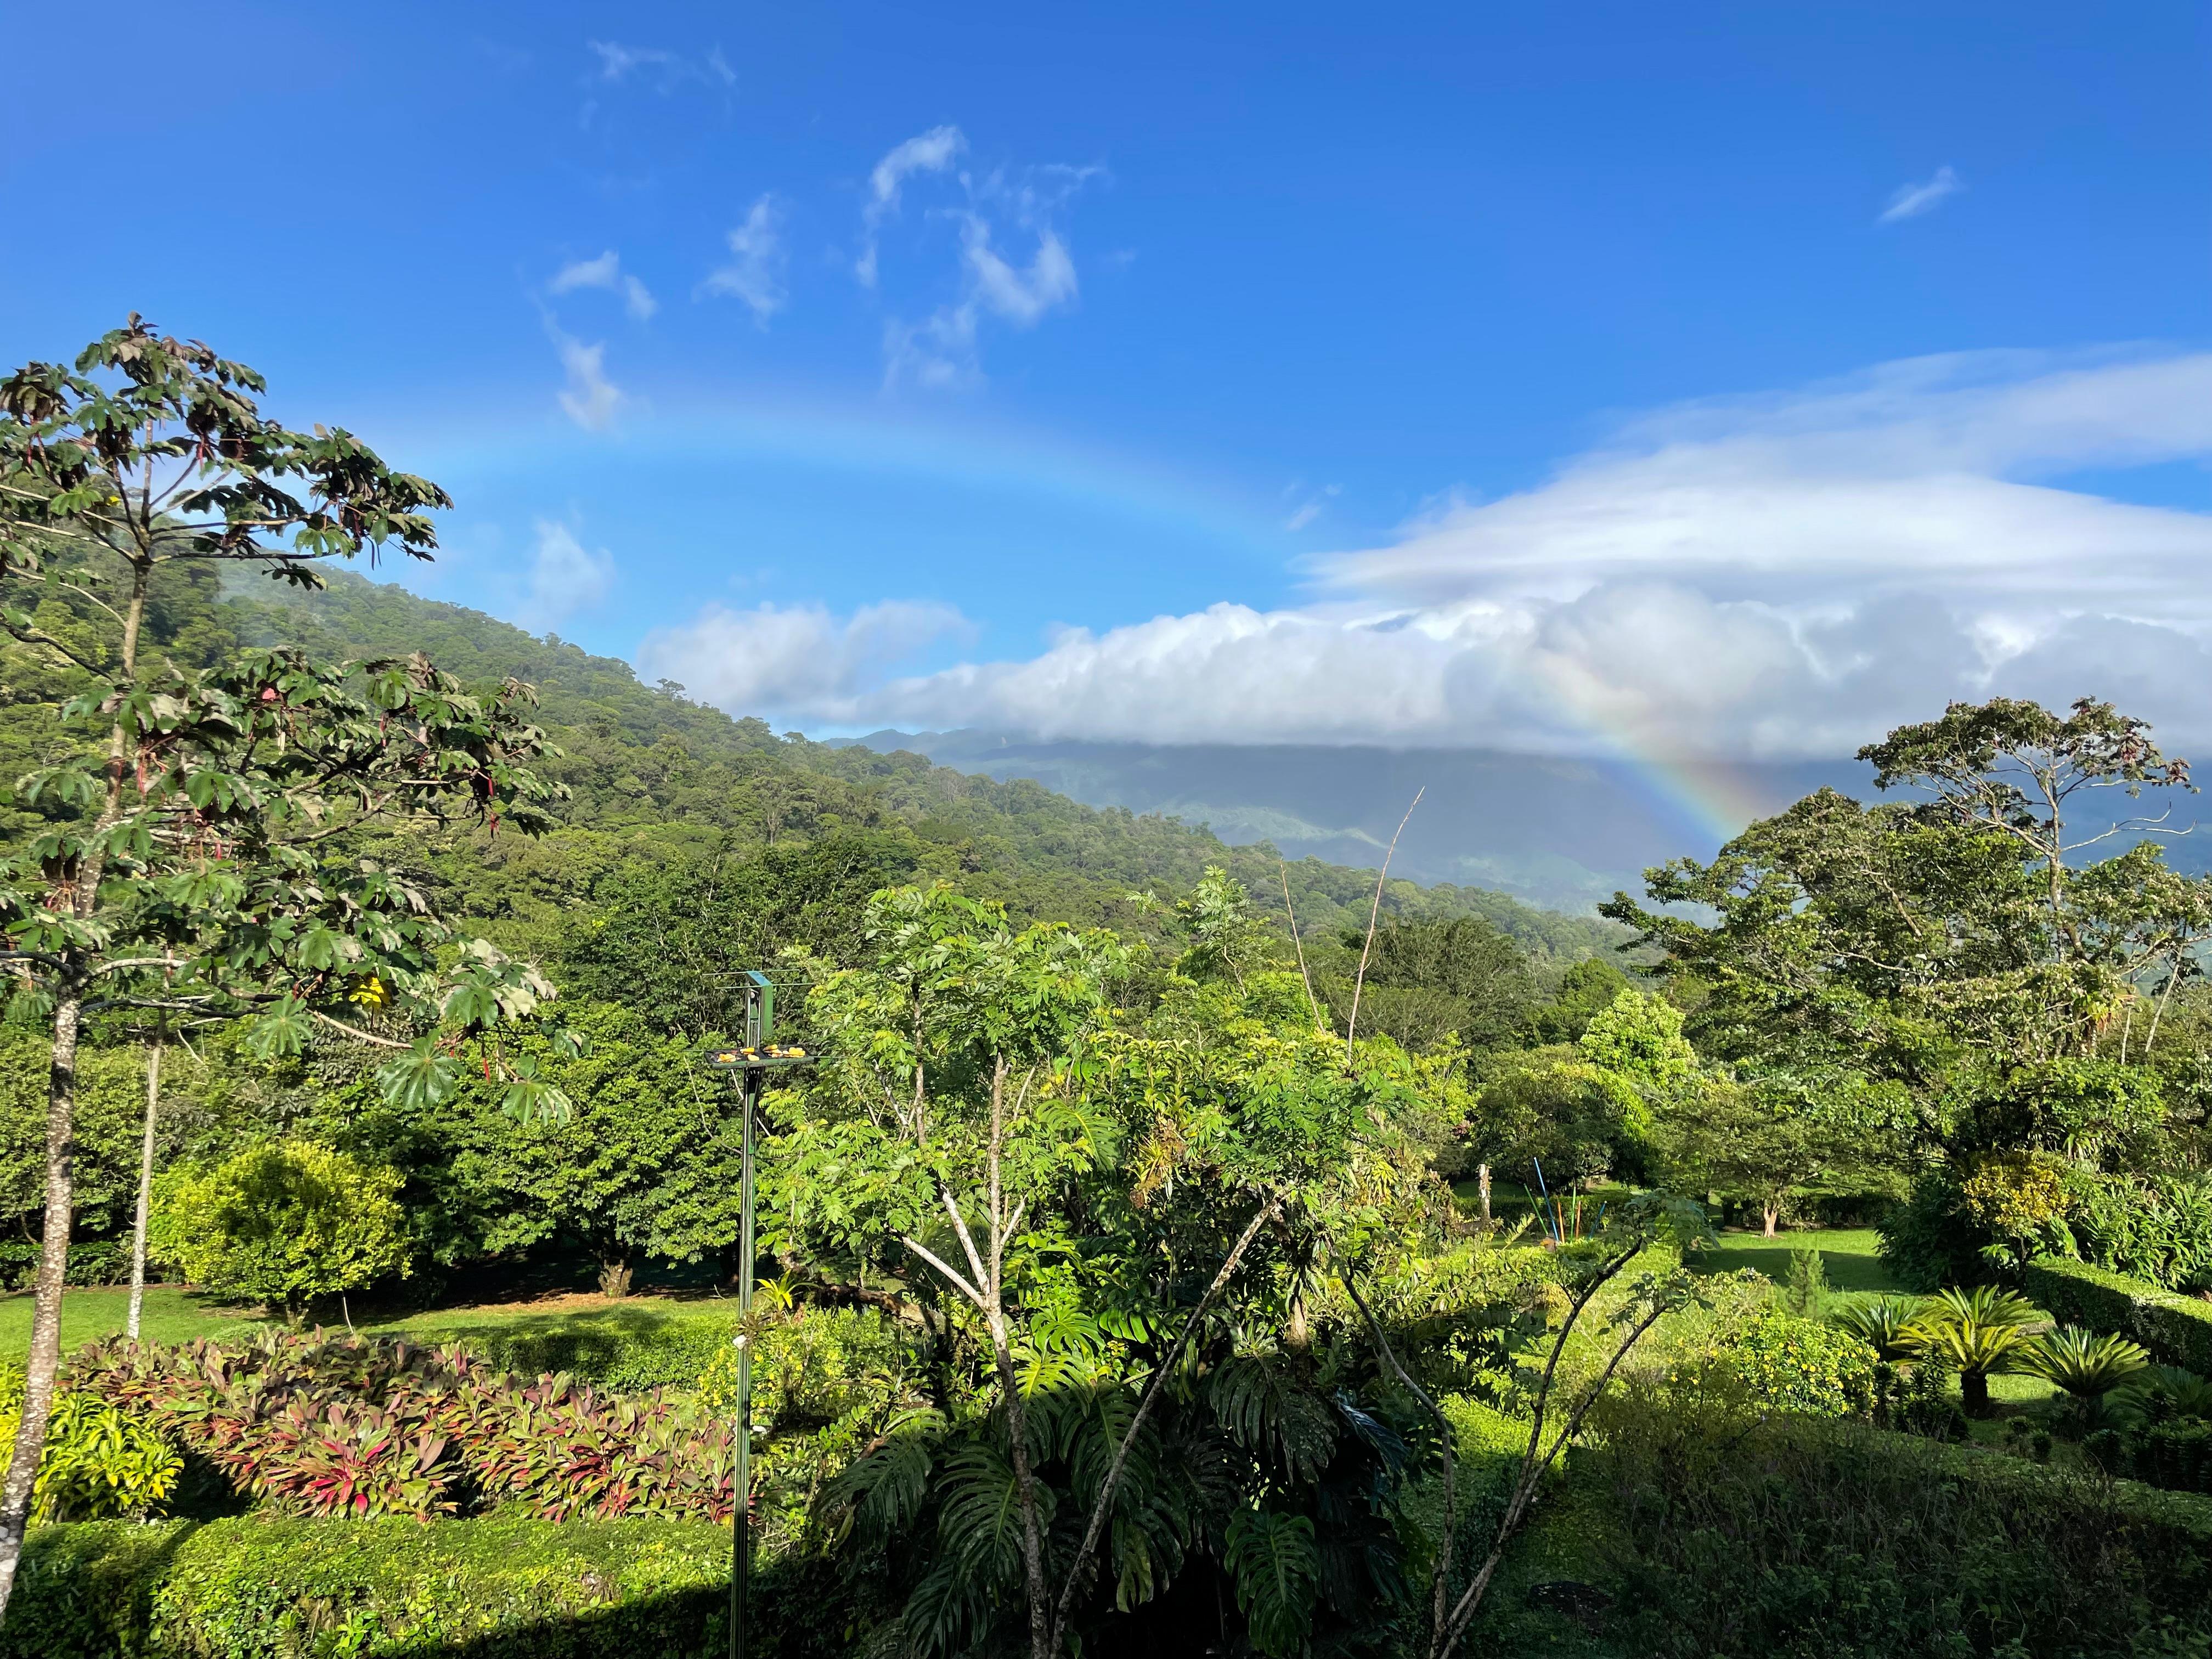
column 254, row 1588
column 2176, row 1329
column 1737, row 1540
column 628, row 1351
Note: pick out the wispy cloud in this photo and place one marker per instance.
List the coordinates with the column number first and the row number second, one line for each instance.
column 1784, row 576
column 565, row 578
column 1911, row 201
column 605, row 272
column 589, row 400
column 667, row 70
column 754, row 273
column 1315, row 504
column 928, row 152
column 940, row 350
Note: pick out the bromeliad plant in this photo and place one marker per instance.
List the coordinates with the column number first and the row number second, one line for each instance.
column 195, row 855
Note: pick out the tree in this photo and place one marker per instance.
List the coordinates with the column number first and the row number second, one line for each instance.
column 1557, row 1410
column 283, row 1224
column 1082, row 1198
column 1429, row 979
column 1912, row 937
column 1763, row 1139
column 196, row 854
column 1586, row 990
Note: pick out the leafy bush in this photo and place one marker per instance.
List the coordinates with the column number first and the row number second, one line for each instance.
column 1930, row 1240
column 1742, row 1539
column 99, row 1464
column 281, row 1223
column 2176, row 1329
column 89, row 1262
column 1785, row 1364
column 255, row 1587
column 319, row 1425
column 2158, row 1228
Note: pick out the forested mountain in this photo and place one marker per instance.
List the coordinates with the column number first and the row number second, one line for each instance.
column 655, row 775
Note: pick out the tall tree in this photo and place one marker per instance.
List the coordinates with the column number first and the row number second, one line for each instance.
column 196, row 852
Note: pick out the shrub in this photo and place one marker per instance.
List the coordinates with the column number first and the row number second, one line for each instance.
column 281, row 1223
column 1979, row 1332
column 99, row 1464
column 318, row 1426
column 1888, row 1324
column 1928, row 1240
column 1741, row 1540
column 1781, row 1362
column 89, row 1262
column 2176, row 1329
column 2159, row 1228
column 2085, row 1365
column 254, row 1588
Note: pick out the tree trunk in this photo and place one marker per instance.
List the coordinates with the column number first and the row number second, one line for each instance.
column 145, row 1189
column 45, row 1357
column 1770, row 1215
column 1974, row 1393
column 1482, row 1190
column 1018, row 1428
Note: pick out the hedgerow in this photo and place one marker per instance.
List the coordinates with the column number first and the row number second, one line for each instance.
column 2176, row 1329
column 508, row 1587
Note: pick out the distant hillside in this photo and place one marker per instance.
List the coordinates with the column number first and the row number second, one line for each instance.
column 649, row 767
column 1560, row 832
column 1555, row 831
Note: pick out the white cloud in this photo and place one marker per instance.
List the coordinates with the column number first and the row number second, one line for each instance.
column 1911, row 201
column 667, row 70
column 605, row 272
column 589, row 400
column 1777, row 576
column 565, row 578
column 928, row 152
column 1311, row 508
column 754, row 274
column 798, row 660
column 1022, row 297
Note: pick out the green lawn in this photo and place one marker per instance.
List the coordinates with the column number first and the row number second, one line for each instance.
column 173, row 1315
column 1848, row 1255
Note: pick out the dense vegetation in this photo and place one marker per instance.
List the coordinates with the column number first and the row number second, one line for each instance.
column 1140, row 1273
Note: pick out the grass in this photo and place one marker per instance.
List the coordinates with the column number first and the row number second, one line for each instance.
column 173, row 1313
column 1850, row 1256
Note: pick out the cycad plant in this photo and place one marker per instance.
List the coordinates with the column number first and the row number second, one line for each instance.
column 1982, row 1332
column 2083, row 1364
column 1888, row 1324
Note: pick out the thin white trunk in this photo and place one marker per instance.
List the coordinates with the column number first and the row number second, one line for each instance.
column 145, row 1189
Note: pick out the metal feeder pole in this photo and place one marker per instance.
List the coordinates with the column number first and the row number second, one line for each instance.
column 750, row 1063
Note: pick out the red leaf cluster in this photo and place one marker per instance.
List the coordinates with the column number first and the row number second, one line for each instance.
column 324, row 1426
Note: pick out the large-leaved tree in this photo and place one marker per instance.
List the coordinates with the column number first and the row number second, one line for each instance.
column 200, row 848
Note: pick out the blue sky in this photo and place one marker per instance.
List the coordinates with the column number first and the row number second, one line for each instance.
column 1700, row 378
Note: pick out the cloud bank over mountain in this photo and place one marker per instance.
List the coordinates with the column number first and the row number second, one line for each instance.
column 1772, row 577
